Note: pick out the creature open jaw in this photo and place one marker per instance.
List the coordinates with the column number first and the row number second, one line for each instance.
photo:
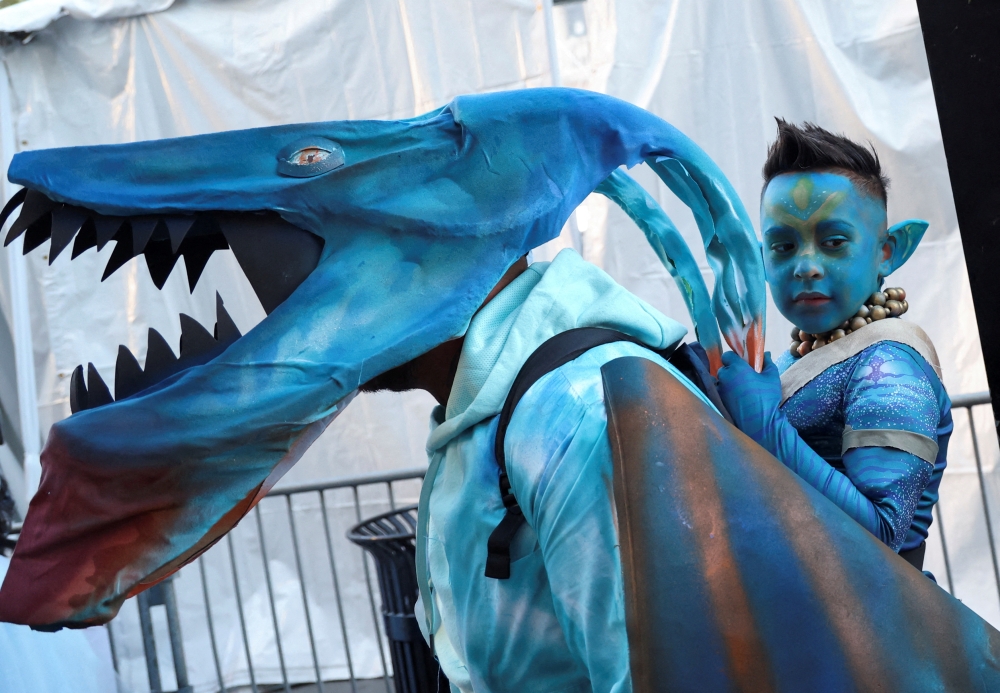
column 276, row 257
column 198, row 346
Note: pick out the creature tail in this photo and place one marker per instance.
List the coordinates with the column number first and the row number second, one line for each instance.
column 673, row 252
column 733, row 252
column 739, row 576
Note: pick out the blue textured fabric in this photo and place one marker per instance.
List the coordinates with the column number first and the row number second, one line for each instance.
column 558, row 623
column 888, row 386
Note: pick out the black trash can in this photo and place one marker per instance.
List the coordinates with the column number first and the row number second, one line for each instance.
column 390, row 539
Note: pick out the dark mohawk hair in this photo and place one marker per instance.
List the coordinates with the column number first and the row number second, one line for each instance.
column 811, row 148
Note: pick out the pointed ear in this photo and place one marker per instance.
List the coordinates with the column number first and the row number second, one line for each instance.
column 904, row 238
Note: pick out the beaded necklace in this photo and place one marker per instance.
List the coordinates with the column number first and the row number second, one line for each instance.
column 890, row 303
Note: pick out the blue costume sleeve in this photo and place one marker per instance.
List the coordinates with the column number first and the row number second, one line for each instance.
column 559, row 461
column 880, row 486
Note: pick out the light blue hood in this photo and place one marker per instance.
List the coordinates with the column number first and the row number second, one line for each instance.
column 548, row 298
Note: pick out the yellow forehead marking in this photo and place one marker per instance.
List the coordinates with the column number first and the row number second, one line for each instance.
column 802, row 192
column 788, row 219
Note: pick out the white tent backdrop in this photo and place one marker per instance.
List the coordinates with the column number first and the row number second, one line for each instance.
column 720, row 71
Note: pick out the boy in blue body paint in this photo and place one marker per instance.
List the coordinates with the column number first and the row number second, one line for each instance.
column 861, row 415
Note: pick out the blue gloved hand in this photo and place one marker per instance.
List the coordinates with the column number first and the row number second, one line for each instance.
column 752, row 398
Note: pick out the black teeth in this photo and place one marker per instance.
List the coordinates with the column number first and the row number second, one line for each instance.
column 196, row 252
column 160, row 262
column 177, row 229
column 77, row 391
column 226, row 331
column 160, row 359
column 35, row 206
column 275, row 255
column 38, row 233
column 106, row 229
column 98, row 393
column 128, row 374
column 142, row 231
column 12, row 204
column 86, row 239
column 194, row 262
column 195, row 339
column 66, row 221
column 122, row 252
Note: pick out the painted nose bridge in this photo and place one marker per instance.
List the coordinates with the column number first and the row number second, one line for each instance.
column 807, row 265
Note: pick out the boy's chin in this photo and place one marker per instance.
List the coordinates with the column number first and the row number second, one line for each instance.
column 812, row 323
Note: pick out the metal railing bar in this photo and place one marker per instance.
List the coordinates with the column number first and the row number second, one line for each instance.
column 302, row 586
column 149, row 644
column 392, row 498
column 111, row 644
column 336, row 593
column 371, row 596
column 239, row 608
column 944, row 548
column 986, row 505
column 352, row 481
column 971, row 399
column 270, row 599
column 176, row 638
column 211, row 626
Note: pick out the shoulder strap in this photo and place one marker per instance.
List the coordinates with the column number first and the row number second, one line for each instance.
column 692, row 361
column 553, row 353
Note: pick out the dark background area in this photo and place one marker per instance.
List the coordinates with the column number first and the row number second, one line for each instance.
column 962, row 38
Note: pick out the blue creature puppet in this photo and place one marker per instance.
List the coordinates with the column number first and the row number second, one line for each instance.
column 658, row 548
column 858, row 410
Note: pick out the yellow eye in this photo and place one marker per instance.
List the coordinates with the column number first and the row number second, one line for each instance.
column 309, row 155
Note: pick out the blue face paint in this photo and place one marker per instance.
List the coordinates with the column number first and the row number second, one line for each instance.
column 824, row 246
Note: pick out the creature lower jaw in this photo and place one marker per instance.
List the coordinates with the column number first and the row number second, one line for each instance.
column 114, row 541
column 890, row 303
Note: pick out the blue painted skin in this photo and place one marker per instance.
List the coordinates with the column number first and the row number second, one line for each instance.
column 418, row 226
column 826, row 249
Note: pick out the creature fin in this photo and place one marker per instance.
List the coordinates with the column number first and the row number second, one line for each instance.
column 731, row 563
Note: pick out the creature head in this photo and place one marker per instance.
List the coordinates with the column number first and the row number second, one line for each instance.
column 368, row 243
column 827, row 247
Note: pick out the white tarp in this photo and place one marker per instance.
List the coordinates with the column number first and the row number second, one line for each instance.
column 720, row 71
column 34, row 15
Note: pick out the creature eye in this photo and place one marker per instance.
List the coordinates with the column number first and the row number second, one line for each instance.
column 782, row 247
column 834, row 243
column 310, row 157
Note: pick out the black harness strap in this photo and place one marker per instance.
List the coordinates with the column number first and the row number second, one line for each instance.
column 553, row 353
column 915, row 556
column 690, row 359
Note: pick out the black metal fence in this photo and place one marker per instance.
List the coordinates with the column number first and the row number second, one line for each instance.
column 314, row 519
column 966, row 403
